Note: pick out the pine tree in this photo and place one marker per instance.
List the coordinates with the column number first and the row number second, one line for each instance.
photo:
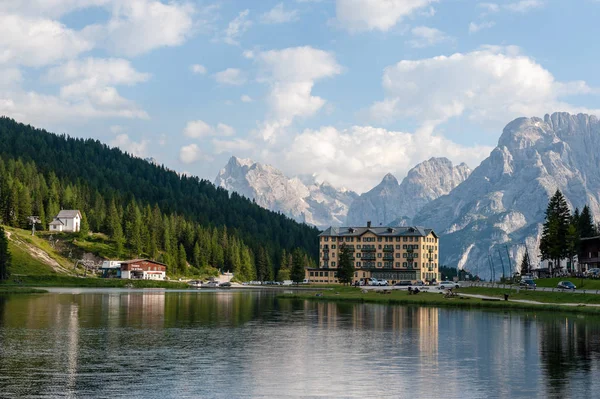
column 525, row 264
column 552, row 243
column 262, row 272
column 284, row 272
column 181, row 260
column 5, row 258
column 297, row 274
column 84, row 228
column 345, row 267
column 585, row 225
column 572, row 241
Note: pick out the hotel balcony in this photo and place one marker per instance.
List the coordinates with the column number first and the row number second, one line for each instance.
column 388, row 249
column 368, row 249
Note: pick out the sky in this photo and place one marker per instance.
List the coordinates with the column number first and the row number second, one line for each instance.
column 343, row 90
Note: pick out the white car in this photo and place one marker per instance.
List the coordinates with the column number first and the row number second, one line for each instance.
column 448, row 285
column 374, row 281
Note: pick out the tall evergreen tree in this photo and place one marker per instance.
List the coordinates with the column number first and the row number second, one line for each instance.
column 345, row 267
column 525, row 264
column 5, row 258
column 298, row 265
column 571, row 244
column 181, row 260
column 552, row 243
column 262, row 272
column 585, row 223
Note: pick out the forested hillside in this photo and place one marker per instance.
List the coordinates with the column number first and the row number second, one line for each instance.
column 148, row 209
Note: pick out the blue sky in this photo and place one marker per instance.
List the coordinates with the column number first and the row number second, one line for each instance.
column 345, row 90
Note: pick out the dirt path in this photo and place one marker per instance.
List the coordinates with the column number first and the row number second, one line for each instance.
column 532, row 302
column 38, row 254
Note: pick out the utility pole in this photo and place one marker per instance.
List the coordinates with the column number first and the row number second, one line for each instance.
column 32, row 221
column 509, row 261
column 492, row 267
column 501, row 262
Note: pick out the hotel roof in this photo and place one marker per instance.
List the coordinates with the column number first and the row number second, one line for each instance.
column 400, row 231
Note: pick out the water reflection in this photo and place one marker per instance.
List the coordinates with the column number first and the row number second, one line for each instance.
column 251, row 344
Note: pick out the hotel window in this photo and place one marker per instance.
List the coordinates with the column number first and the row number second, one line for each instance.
column 410, row 239
column 312, row 274
column 378, row 264
column 320, row 274
column 397, row 246
column 379, row 239
column 358, row 255
column 326, row 274
column 404, row 239
column 333, row 255
column 397, row 239
column 397, row 254
column 397, row 264
column 379, row 246
column 332, row 246
column 379, row 255
column 358, row 246
column 404, row 264
column 357, row 264
column 332, row 264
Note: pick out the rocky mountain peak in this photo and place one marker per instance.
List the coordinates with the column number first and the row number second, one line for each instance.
column 300, row 198
column 389, row 179
column 502, row 203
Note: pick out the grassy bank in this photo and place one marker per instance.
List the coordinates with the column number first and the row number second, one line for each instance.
column 70, row 281
column 397, row 297
column 19, row 290
column 531, row 295
column 586, row 284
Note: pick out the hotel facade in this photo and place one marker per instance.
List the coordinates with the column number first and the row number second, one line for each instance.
column 390, row 253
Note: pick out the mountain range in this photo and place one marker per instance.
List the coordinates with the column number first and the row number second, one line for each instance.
column 304, row 200
column 501, row 206
column 497, row 209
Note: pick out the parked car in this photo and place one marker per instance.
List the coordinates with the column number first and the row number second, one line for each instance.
column 374, row 281
column 448, row 285
column 225, row 284
column 403, row 283
column 527, row 283
column 566, row 285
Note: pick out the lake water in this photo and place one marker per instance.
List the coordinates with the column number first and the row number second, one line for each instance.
column 249, row 344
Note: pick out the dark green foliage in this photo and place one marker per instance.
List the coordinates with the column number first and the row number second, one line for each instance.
column 526, row 264
column 345, row 267
column 554, row 235
column 5, row 257
column 585, row 223
column 114, row 173
column 148, row 210
column 298, row 265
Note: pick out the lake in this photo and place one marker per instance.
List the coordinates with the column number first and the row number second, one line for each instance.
column 250, row 344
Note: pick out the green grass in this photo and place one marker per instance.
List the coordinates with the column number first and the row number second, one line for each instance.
column 25, row 264
column 398, row 297
column 532, row 295
column 586, row 284
column 40, row 241
column 70, row 281
column 20, row 290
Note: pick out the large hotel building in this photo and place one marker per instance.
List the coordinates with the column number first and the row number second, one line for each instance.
column 390, row 253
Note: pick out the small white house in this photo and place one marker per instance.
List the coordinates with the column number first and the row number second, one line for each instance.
column 67, row 221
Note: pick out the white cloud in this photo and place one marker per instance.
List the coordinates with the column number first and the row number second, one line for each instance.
column 117, row 129
column 230, row 76
column 91, row 80
column 199, row 129
column 198, row 69
column 33, row 41
column 524, row 5
column 225, row 130
column 489, row 8
column 291, row 73
column 237, row 27
column 126, row 144
column 493, row 84
column 367, row 15
column 139, row 26
column 278, row 15
column 475, row 27
column 424, row 36
column 231, row 146
column 48, row 8
column 246, row 98
column 359, row 156
column 190, row 153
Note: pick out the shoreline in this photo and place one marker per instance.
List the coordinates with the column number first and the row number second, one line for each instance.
column 462, row 300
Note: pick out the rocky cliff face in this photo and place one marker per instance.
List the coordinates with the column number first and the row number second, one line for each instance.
column 394, row 203
column 500, row 207
column 304, row 200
